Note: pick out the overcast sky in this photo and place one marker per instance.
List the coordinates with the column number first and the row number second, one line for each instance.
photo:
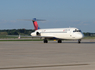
column 57, row 13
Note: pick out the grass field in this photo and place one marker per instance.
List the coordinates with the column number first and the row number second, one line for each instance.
column 15, row 38
column 22, row 40
column 5, row 36
column 89, row 37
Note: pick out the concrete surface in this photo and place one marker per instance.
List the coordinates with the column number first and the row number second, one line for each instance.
column 35, row 55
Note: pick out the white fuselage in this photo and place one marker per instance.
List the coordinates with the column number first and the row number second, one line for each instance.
column 59, row 33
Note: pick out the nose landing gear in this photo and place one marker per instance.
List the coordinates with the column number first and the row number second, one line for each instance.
column 79, row 41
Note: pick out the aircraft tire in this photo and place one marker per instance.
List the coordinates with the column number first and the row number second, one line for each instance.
column 79, row 41
column 45, row 41
column 59, row 41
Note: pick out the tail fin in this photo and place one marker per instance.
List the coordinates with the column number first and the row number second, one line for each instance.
column 35, row 24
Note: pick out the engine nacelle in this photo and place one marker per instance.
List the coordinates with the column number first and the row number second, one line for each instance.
column 37, row 33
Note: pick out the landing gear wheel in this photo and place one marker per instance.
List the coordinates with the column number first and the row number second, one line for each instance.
column 45, row 41
column 59, row 41
column 79, row 41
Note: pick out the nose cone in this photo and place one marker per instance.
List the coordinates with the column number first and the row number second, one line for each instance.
column 80, row 36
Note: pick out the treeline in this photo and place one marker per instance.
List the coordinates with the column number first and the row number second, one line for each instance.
column 16, row 32
column 88, row 34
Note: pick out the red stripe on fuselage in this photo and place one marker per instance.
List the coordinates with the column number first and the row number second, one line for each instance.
column 35, row 25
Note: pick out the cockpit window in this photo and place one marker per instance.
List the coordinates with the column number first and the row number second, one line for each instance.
column 77, row 30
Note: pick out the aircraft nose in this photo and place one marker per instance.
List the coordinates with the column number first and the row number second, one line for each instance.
column 80, row 36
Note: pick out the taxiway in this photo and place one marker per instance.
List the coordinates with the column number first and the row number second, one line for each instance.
column 36, row 55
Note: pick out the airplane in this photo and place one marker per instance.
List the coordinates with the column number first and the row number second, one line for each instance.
column 58, row 34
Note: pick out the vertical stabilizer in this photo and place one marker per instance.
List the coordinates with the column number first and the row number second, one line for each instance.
column 36, row 27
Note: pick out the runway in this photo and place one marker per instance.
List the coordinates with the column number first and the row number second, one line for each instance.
column 36, row 55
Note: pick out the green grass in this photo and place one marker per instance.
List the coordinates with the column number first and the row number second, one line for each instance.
column 23, row 40
column 15, row 38
column 5, row 36
column 89, row 37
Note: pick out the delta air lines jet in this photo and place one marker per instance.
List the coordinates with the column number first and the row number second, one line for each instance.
column 58, row 34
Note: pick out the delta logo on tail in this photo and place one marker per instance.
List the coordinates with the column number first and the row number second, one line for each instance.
column 35, row 24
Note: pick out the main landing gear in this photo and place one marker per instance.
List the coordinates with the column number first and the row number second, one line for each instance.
column 45, row 41
column 59, row 41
